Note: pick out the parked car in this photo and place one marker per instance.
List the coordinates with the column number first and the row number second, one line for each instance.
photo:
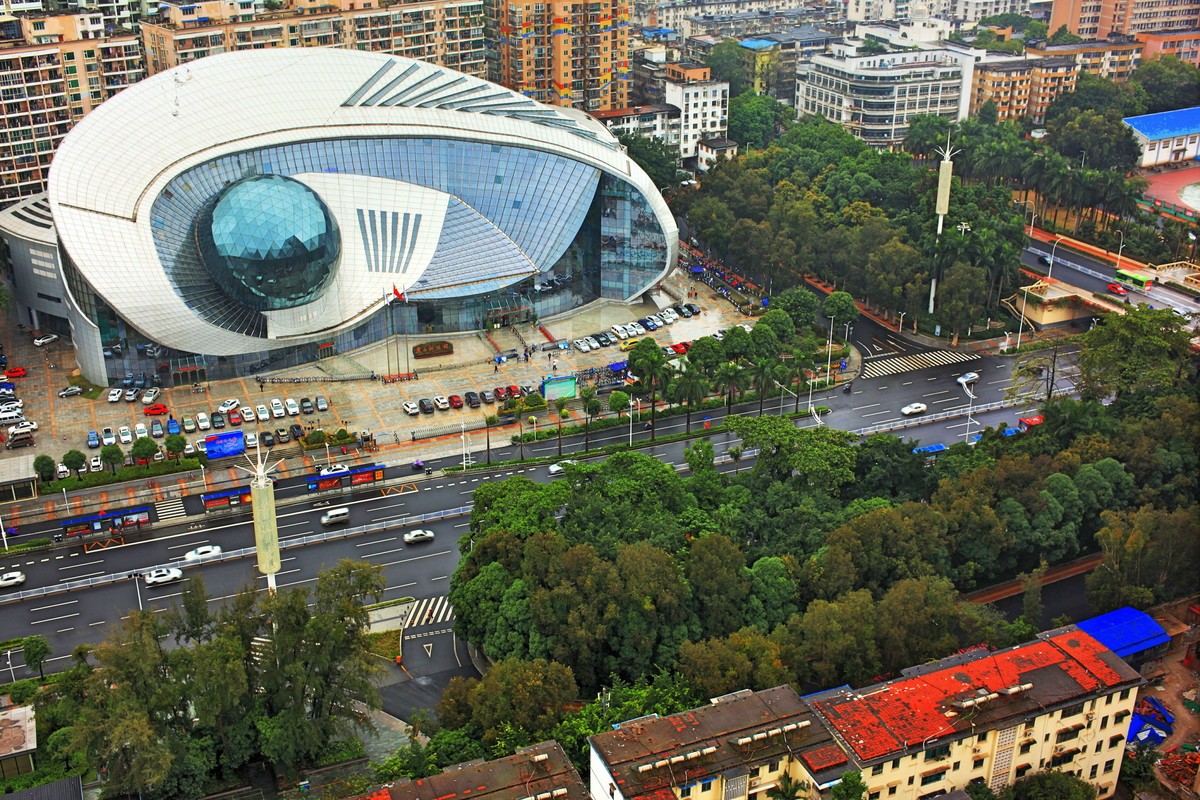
column 189, row 425
column 140, row 431
column 472, row 399
column 155, row 410
column 172, row 427
column 251, row 439
column 156, row 429
column 45, row 339
column 107, row 436
column 293, row 408
column 125, row 435
column 277, row 409
column 306, row 406
column 411, row 408
column 262, row 412
column 202, row 421
column 692, row 307
column 93, row 440
column 282, row 436
column 70, row 391
column 441, row 403
column 426, row 405
column 267, row 438
column 151, row 395
column 115, row 395
column 322, row 403
column 156, row 577
column 682, row 311
column 487, row 396
column 247, row 414
column 455, row 401
column 296, row 431
column 582, row 346
column 15, row 372
column 95, row 464
column 500, row 393
column 628, row 344
column 218, row 420
column 235, row 417
column 132, row 394
column 229, row 404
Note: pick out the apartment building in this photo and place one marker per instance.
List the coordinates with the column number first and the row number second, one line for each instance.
column 746, row 23
column 448, row 33
column 1096, row 19
column 689, row 106
column 673, row 13
column 1060, row 702
column 1184, row 45
column 651, row 121
column 709, row 151
column 1022, row 88
column 538, row 771
column 1115, row 58
column 875, row 96
column 64, row 67
column 562, row 54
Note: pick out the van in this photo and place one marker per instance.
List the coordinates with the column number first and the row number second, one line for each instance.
column 11, row 417
column 335, row 516
column 22, row 439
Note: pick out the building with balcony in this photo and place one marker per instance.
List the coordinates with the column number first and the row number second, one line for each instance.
column 1114, row 58
column 562, row 54
column 1022, row 88
column 674, row 13
column 448, row 33
column 1184, row 45
column 64, row 68
column 1097, row 19
column 875, row 96
column 651, row 121
column 750, row 23
column 303, row 201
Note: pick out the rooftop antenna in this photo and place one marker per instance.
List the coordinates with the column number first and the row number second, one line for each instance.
column 262, row 504
column 942, row 204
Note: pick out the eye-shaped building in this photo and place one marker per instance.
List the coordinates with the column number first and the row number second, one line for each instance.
column 257, row 206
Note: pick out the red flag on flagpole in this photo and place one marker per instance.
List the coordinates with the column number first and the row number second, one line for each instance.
column 399, row 294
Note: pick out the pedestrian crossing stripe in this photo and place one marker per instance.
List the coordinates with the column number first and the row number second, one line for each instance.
column 933, row 358
column 430, row 611
column 170, row 509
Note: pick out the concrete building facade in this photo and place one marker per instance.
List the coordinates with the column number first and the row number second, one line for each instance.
column 1168, row 137
column 1184, row 45
column 1022, row 88
column 1114, row 58
column 1097, row 19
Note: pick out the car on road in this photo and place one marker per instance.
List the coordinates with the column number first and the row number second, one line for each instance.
column 151, row 395
column 472, row 399
column 207, row 551
column 156, row 577
column 93, row 439
column 228, row 405
column 418, row 535
column 1116, row 288
column 293, row 408
column 45, row 339
column 277, row 409
column 333, row 469
column 306, row 406
column 967, row 378
column 115, row 395
column 914, row 408
column 11, row 579
column 1043, row 260
column 296, row 431
column 155, row 410
column 125, row 436
column 202, row 421
column 172, row 427
column 107, row 436
column 189, row 425
column 251, row 439
column 140, row 431
column 322, row 403
column 455, row 401
column 15, row 372
column 156, row 429
column 441, row 403
column 411, row 408
column 262, row 412
column 560, row 467
column 268, row 438
column 95, row 464
column 247, row 414
column 487, row 396
column 426, row 405
column 70, row 391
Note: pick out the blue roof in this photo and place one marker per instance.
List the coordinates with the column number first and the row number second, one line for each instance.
column 1167, row 124
column 1125, row 631
column 758, row 44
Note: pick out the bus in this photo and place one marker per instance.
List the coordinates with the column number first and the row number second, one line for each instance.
column 1139, row 278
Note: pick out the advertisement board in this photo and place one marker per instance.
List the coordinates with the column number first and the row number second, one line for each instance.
column 223, row 445
column 560, row 386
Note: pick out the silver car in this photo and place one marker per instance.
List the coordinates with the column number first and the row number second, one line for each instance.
column 418, row 536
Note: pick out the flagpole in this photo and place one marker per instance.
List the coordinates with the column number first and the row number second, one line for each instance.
column 387, row 307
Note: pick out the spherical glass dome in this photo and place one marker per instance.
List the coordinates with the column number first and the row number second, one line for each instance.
column 269, row 242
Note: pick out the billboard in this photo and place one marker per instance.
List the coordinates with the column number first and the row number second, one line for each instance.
column 559, row 386
column 223, row 445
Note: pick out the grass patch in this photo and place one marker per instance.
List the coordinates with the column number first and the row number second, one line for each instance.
column 385, row 644
column 90, row 390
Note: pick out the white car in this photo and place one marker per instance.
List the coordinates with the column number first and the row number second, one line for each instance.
column 63, row 472
column 560, row 467
column 592, row 342
column 418, row 536
column 151, row 395
column 293, row 408
column 620, row 332
column 411, row 408
column 967, row 378
column 668, row 316
column 25, row 426
column 189, row 449
column 45, row 340
column 442, row 403
column 165, row 575
column 334, row 469
column 657, row 320
column 202, row 421
column 228, row 405
column 107, row 436
column 70, row 391
column 115, row 395
column 10, row 579
column 12, row 405
column 95, row 464
column 277, row 409
column 207, row 551
column 124, row 435
column 139, row 431
column 247, row 414
column 251, row 439
column 582, row 346
column 914, row 408
column 263, row 413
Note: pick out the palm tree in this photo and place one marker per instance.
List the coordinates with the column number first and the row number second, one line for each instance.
column 689, row 388
column 732, row 379
column 762, row 376
column 656, row 375
column 590, row 405
column 788, row 788
column 560, row 405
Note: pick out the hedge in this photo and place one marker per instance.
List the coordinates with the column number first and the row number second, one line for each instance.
column 154, row 469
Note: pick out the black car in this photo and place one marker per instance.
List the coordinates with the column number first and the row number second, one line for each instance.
column 306, row 406
column 692, row 307
column 682, row 311
column 282, row 436
column 472, row 399
column 603, row 338
column 426, row 405
column 267, row 438
column 218, row 420
column 296, row 431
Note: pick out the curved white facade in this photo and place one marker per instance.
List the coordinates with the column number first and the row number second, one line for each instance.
column 455, row 192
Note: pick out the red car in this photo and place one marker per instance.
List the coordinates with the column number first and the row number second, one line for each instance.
column 678, row 348
column 501, row 393
column 155, row 410
column 1115, row 288
column 455, row 401
column 15, row 372
column 234, row 417
column 514, row 392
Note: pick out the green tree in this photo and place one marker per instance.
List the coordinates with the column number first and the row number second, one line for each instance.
column 851, row 787
column 733, row 380
column 530, row 696
column 175, row 445
column 1036, row 31
column 840, row 306
column 1137, row 769
column 705, row 355
column 720, row 581
column 1064, row 36
column 618, row 402
column 144, row 449
column 45, row 467
column 75, row 461
column 1143, row 352
column 689, row 388
column 1055, row 784
column 731, row 62
column 763, row 375
column 650, row 365
column 36, row 650
column 112, row 456
column 780, row 322
column 1170, row 84
column 755, row 120
column 659, row 159
column 799, row 303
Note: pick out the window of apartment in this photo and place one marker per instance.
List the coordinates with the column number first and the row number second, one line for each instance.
column 1023, row 770
column 1115, row 741
column 933, row 777
column 1104, row 722
column 685, row 791
column 1071, row 711
column 877, row 769
column 1067, row 735
column 934, row 753
column 706, row 786
column 1108, row 765
column 773, row 766
column 873, row 796
column 49, row 297
column 892, row 790
column 1026, row 747
column 754, row 773
column 977, row 763
column 39, row 26
column 1125, row 694
column 1092, row 772
column 981, row 738
column 1119, row 718
column 896, row 764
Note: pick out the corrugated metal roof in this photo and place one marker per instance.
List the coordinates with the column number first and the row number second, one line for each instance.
column 1167, row 124
column 1125, row 631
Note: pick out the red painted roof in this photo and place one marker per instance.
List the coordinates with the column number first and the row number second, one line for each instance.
column 824, row 758
column 890, row 718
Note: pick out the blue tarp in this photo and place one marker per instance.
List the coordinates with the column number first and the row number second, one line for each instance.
column 619, row 366
column 1144, row 731
column 1125, row 631
column 697, row 270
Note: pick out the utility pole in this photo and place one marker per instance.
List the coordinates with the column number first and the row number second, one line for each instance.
column 942, row 204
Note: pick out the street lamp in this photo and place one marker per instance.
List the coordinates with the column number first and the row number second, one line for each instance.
column 1050, row 270
column 900, row 327
column 631, row 422
column 1021, row 327
column 1122, row 247
column 829, row 353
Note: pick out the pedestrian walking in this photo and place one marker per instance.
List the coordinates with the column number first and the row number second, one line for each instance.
column 496, row 367
column 555, row 365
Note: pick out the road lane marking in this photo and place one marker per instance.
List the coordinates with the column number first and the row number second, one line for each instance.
column 860, row 408
column 56, row 605
column 54, row 619
column 189, row 544
column 93, row 624
column 876, row 413
column 64, row 630
column 82, row 564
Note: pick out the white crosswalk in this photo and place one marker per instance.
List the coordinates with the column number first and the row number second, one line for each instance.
column 430, row 611
column 170, row 509
column 897, row 364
